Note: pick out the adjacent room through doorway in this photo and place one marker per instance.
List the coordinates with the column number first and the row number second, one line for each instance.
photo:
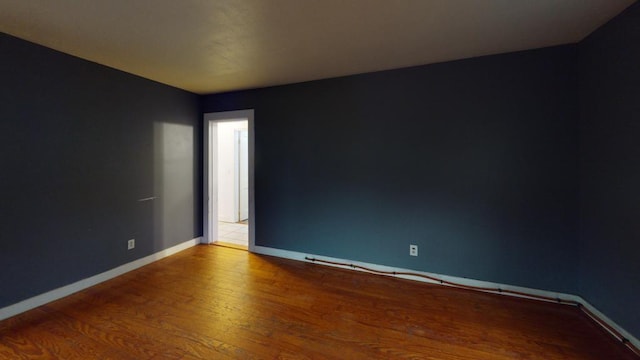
column 228, row 178
column 233, row 182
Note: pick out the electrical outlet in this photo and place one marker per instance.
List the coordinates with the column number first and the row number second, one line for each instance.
column 131, row 244
column 413, row 250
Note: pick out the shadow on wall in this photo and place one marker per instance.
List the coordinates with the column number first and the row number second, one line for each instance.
column 174, row 165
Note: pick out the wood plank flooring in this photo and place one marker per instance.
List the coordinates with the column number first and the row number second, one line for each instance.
column 212, row 302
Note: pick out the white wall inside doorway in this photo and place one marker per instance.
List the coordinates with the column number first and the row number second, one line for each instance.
column 232, row 171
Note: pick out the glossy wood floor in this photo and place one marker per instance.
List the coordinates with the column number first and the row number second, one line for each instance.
column 212, row 302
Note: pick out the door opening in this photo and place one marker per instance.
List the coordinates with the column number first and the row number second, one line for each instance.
column 228, row 179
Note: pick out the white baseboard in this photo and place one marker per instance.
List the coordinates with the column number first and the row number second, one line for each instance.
column 294, row 255
column 632, row 339
column 67, row 290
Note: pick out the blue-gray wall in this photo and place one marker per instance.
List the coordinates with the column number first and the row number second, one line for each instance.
column 80, row 144
column 610, row 169
column 475, row 161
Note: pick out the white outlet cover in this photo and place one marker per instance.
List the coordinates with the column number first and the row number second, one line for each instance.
column 413, row 250
column 131, row 244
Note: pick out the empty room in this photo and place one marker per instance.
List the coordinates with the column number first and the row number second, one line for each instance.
column 336, row 179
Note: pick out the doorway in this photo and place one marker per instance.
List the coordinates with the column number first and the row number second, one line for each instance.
column 228, row 178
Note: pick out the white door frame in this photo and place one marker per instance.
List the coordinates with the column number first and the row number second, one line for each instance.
column 210, row 173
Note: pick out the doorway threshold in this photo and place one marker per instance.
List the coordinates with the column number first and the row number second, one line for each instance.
column 231, row 245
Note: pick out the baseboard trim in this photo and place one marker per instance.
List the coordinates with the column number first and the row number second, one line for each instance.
column 294, row 255
column 67, row 290
column 632, row 339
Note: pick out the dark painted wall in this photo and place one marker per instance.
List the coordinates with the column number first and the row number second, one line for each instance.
column 80, row 144
column 475, row 161
column 610, row 169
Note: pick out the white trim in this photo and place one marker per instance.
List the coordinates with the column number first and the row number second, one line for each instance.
column 294, row 255
column 209, row 196
column 67, row 290
column 210, row 171
column 632, row 339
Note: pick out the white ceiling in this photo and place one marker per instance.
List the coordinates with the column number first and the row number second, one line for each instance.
column 209, row 46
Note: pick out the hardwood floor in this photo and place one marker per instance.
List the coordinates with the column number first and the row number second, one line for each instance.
column 212, row 302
